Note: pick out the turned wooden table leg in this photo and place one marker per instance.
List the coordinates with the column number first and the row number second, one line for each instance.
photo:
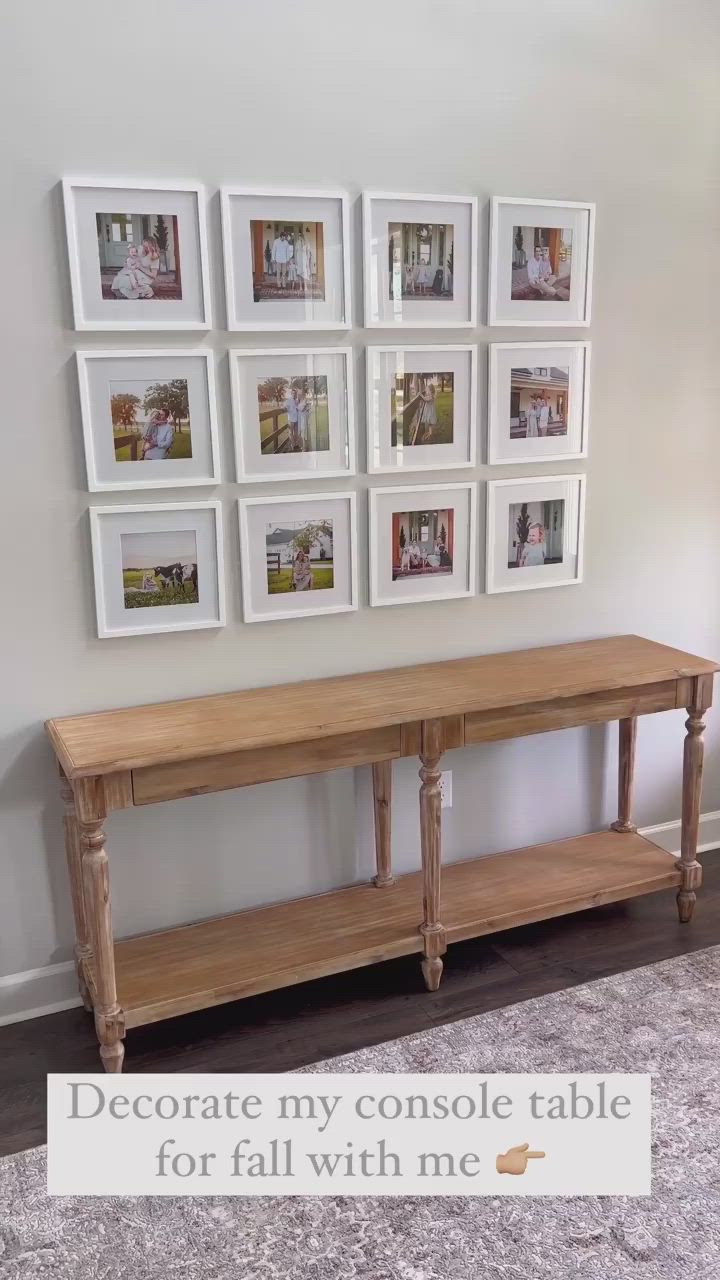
column 109, row 1019
column 434, row 942
column 693, row 753
column 626, row 769
column 382, row 799
column 83, row 950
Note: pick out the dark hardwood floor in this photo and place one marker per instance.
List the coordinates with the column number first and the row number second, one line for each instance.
column 300, row 1025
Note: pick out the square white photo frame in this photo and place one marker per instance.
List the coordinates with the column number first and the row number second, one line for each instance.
column 298, row 555
column 293, row 412
column 535, row 532
column 538, row 401
column 143, row 554
column 287, row 259
column 419, row 260
column 421, row 408
column 149, row 418
column 423, row 543
column 138, row 254
column 557, row 288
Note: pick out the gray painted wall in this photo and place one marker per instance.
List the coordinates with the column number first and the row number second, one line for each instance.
column 598, row 100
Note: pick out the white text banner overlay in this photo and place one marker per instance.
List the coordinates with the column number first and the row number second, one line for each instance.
column 345, row 1134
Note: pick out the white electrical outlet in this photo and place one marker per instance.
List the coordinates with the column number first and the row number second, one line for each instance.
column 446, row 789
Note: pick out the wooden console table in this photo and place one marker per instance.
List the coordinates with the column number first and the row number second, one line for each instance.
column 116, row 759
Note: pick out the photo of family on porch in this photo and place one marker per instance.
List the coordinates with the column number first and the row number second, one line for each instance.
column 293, row 414
column 422, row 408
column 150, row 420
column 299, row 556
column 422, row 543
column 420, row 260
column 541, row 264
column 288, row 260
column 538, row 402
column 139, row 256
column 535, row 535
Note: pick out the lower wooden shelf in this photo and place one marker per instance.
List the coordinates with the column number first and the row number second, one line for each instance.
column 192, row 967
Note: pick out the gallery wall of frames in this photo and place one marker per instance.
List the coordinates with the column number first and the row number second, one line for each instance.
column 150, row 419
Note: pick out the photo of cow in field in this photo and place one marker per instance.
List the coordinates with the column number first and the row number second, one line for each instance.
column 147, row 583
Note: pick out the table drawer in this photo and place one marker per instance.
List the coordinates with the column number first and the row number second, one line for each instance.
column 263, row 764
column 542, row 717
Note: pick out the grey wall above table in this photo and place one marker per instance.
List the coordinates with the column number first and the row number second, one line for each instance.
column 602, row 101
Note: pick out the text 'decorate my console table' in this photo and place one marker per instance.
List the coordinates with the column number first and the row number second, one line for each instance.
column 142, row 755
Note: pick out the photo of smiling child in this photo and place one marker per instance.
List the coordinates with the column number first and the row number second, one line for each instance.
column 535, row 534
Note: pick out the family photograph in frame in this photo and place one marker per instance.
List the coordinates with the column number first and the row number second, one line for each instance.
column 421, row 407
column 419, row 260
column 298, row 555
column 541, row 262
column 158, row 567
column 287, row 258
column 138, row 254
column 422, row 543
column 293, row 412
column 149, row 418
column 538, row 401
column 535, row 532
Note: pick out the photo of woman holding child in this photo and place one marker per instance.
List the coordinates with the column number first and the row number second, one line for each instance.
column 137, row 277
column 158, row 435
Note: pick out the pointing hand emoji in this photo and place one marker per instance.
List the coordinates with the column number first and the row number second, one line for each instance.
column 515, row 1160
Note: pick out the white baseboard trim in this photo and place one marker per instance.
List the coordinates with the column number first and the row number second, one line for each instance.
column 53, row 987
column 36, row 992
column 667, row 834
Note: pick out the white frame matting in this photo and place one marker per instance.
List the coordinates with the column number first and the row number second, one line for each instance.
column 106, row 313
column 539, row 313
column 417, row 313
column 254, row 560
column 246, row 425
column 281, row 204
column 433, row 457
column 498, row 576
column 107, row 554
column 383, row 502
column 501, row 449
column 170, row 473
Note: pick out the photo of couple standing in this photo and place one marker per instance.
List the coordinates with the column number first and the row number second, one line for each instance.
column 287, row 260
column 293, row 414
column 538, row 402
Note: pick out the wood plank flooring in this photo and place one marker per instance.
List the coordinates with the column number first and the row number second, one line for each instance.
column 292, row 1027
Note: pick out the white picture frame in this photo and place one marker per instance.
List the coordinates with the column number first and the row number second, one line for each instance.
column 574, row 262
column 384, row 365
column 567, row 529
column 100, row 371
column 283, row 514
column 333, row 365
column 392, row 582
column 403, row 299
column 560, row 372
column 242, row 206
column 91, row 276
column 154, row 532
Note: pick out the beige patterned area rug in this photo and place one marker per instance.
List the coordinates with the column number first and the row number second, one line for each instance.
column 664, row 1019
